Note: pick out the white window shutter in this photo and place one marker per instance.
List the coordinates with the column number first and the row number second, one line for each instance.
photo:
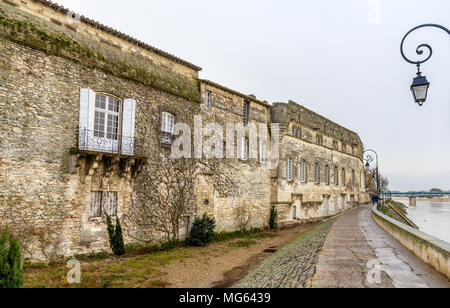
column 128, row 126
column 91, row 110
column 86, row 119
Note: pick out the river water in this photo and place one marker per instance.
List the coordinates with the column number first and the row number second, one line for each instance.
column 432, row 218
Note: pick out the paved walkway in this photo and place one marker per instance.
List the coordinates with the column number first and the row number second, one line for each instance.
column 341, row 253
column 357, row 245
column 294, row 265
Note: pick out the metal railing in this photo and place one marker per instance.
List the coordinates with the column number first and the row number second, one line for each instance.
column 95, row 141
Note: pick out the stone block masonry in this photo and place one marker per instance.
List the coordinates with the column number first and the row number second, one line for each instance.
column 53, row 191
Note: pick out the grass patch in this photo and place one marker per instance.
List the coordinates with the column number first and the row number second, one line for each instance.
column 249, row 234
column 243, row 243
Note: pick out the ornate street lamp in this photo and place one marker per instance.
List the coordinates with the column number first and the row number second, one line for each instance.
column 369, row 159
column 420, row 84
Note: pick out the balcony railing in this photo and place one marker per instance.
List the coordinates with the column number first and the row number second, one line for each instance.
column 95, row 141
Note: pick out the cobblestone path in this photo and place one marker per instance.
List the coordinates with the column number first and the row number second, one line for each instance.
column 294, row 265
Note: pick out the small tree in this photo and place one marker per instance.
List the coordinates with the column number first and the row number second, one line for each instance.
column 273, row 218
column 11, row 274
column 202, row 232
column 115, row 237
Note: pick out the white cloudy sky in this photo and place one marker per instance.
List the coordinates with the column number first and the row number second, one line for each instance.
column 328, row 55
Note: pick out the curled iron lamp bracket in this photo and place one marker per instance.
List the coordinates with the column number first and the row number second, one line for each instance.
column 420, row 48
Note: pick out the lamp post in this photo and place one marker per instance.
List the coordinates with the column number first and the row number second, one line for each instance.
column 420, row 85
column 369, row 159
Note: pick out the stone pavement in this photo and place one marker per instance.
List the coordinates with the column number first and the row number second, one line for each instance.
column 294, row 265
column 357, row 245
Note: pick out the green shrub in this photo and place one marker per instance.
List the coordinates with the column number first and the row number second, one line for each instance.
column 202, row 232
column 115, row 237
column 273, row 218
column 11, row 272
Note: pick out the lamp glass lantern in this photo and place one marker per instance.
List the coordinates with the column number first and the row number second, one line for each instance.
column 367, row 167
column 419, row 88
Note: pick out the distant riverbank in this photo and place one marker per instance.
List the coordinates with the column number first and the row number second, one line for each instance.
column 438, row 199
column 432, row 217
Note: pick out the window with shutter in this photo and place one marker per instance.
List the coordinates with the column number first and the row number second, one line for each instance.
column 105, row 122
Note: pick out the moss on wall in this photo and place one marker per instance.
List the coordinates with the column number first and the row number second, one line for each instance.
column 22, row 29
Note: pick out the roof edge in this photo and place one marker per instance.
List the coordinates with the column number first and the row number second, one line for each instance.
column 132, row 40
column 247, row 97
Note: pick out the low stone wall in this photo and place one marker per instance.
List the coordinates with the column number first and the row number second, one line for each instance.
column 431, row 250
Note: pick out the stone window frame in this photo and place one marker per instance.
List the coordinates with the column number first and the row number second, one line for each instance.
column 290, row 169
column 244, row 155
column 166, row 135
column 208, row 95
column 319, row 139
column 105, row 134
column 327, row 175
column 336, row 176
column 317, row 179
column 246, row 112
column 343, row 177
column 304, row 171
column 100, row 202
column 262, row 151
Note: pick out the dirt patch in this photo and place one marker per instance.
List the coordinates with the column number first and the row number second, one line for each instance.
column 222, row 265
column 218, row 265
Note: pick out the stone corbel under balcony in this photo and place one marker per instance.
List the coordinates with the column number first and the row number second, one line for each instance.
column 87, row 163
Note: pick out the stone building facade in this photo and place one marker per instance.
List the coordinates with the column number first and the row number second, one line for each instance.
column 321, row 170
column 78, row 107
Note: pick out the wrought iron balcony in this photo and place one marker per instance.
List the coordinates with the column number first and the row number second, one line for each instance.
column 108, row 143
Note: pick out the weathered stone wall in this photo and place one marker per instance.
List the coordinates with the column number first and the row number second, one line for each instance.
column 309, row 199
column 46, row 182
column 45, row 190
column 247, row 196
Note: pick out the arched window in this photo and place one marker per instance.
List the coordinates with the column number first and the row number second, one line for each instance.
column 303, row 171
column 327, row 175
column 317, row 173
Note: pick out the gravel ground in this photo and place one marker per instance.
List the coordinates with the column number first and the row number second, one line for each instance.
column 294, row 265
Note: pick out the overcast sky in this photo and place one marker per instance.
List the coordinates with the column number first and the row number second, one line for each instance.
column 338, row 58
